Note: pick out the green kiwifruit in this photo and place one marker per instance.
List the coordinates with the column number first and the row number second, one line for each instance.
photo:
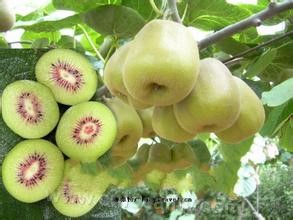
column 113, row 77
column 86, row 131
column 29, row 109
column 129, row 128
column 79, row 191
column 183, row 156
column 68, row 74
column 213, row 104
column 146, row 119
column 32, row 170
column 251, row 117
column 166, row 125
column 7, row 17
column 163, row 64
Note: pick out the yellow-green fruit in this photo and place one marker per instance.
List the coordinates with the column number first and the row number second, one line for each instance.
column 129, row 128
column 251, row 117
column 163, row 65
column 183, row 156
column 141, row 156
column 137, row 104
column 159, row 153
column 7, row 17
column 213, row 104
column 113, row 77
column 166, row 126
column 146, row 119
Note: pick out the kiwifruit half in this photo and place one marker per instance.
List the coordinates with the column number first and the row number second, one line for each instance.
column 79, row 191
column 29, row 109
column 68, row 74
column 86, row 131
column 32, row 170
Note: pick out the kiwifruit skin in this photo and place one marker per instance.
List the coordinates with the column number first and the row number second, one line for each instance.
column 166, row 125
column 214, row 102
column 81, row 63
column 163, row 65
column 129, row 125
column 250, row 119
column 7, row 17
column 87, row 186
column 101, row 144
column 54, row 171
column 14, row 120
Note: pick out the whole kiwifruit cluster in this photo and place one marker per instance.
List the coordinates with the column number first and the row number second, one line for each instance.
column 159, row 86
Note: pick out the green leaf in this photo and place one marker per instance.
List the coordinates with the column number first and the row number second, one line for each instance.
column 261, row 63
column 280, row 68
column 46, row 25
column 286, row 135
column 78, row 6
column 234, row 152
column 276, row 118
column 40, row 43
column 201, row 151
column 120, row 21
column 52, row 37
column 208, row 15
column 231, row 46
column 143, row 7
column 279, row 94
column 225, row 175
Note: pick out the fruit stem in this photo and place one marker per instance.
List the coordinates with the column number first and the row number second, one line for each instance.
column 174, row 11
column 155, row 8
column 91, row 43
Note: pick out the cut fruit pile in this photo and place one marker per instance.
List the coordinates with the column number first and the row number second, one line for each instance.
column 160, row 87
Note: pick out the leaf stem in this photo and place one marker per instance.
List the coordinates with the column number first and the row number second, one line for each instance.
column 91, row 43
column 155, row 8
column 20, row 42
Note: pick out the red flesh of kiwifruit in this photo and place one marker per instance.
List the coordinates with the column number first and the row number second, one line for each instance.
column 38, row 175
column 69, row 197
column 67, row 76
column 29, row 108
column 86, row 130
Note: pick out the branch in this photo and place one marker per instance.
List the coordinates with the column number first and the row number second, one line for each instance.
column 174, row 11
column 239, row 55
column 252, row 21
column 257, row 214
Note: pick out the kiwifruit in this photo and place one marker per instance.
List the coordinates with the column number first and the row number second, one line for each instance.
column 29, row 109
column 129, row 128
column 32, row 170
column 183, row 156
column 79, row 191
column 68, row 74
column 166, row 125
column 146, row 119
column 7, row 16
column 113, row 77
column 86, row 131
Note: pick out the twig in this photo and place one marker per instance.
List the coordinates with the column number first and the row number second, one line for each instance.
column 102, row 91
column 91, row 43
column 256, row 213
column 257, row 47
column 174, row 11
column 252, row 21
column 20, row 42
